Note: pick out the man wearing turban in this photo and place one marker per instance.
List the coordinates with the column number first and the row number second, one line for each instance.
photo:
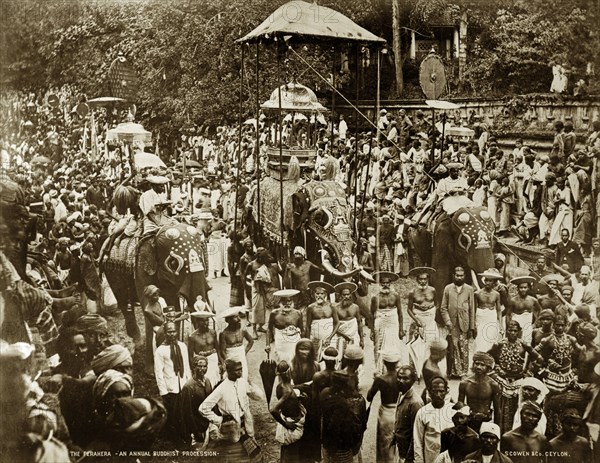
column 115, row 357
column 95, row 330
column 110, row 386
column 480, row 392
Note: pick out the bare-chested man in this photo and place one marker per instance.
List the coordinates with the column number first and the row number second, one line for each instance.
column 386, row 311
column 204, row 341
column 388, row 386
column 523, row 308
column 525, row 444
column 298, row 276
column 350, row 330
column 421, row 304
column 488, row 312
column 285, row 326
column 480, row 392
column 321, row 317
column 551, row 299
column 231, row 339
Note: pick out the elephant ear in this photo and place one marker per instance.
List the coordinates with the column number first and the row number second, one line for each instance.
column 299, row 209
column 147, row 257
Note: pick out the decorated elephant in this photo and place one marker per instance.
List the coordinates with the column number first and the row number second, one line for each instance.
column 174, row 259
column 317, row 217
column 464, row 238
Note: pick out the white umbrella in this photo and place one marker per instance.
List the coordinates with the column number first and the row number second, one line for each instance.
column 105, row 100
column 460, row 132
column 441, row 104
column 250, row 122
column 143, row 160
column 300, row 117
column 129, row 132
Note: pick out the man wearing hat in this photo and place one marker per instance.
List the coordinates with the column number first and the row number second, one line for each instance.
column 321, row 317
column 285, row 326
column 568, row 442
column 488, row 313
column 524, row 444
column 350, row 329
column 153, row 204
column 551, row 299
column 231, row 339
column 204, row 341
column 480, row 392
column 489, row 436
column 523, row 308
column 386, row 311
column 460, row 439
column 387, row 385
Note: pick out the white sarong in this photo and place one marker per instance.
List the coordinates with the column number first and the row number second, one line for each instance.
column 212, row 373
column 319, row 331
column 431, row 331
column 285, row 343
column 350, row 329
column 386, row 452
column 488, row 329
column 238, row 353
column 386, row 335
column 526, row 321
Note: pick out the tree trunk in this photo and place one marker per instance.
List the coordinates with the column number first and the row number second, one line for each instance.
column 396, row 46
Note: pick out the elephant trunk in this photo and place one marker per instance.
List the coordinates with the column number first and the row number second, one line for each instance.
column 479, row 260
column 367, row 276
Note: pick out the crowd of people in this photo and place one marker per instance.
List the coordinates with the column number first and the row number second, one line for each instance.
column 524, row 347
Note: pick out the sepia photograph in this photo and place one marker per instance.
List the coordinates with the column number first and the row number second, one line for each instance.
column 306, row 231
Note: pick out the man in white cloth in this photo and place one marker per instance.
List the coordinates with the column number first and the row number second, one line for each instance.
column 285, row 326
column 387, row 325
column 231, row 339
column 350, row 330
column 153, row 203
column 523, row 308
column 321, row 317
column 231, row 398
column 452, row 190
column 532, row 389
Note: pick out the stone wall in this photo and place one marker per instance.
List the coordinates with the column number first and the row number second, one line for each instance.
column 530, row 117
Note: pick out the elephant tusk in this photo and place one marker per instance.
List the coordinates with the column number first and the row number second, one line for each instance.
column 335, row 272
column 367, row 276
column 475, row 280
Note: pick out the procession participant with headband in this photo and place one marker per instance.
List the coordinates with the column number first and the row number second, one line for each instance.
column 321, row 317
column 531, row 389
column 298, row 276
column 545, row 320
column 350, row 330
column 480, row 392
column 460, row 439
column 551, row 299
column 523, row 308
column 386, row 311
column 231, row 339
column 285, row 326
column 204, row 341
column 153, row 204
column 522, row 443
column 488, row 312
column 512, row 356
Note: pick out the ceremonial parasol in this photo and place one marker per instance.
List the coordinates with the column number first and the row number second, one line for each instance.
column 129, row 132
column 105, row 101
column 190, row 164
column 143, row 160
column 267, row 373
column 251, row 121
column 40, row 160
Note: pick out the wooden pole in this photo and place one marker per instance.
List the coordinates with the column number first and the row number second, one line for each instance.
column 397, row 47
column 257, row 145
column 237, row 177
column 279, row 84
column 356, row 54
column 333, row 100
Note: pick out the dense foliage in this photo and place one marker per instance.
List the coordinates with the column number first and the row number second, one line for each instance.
column 189, row 65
